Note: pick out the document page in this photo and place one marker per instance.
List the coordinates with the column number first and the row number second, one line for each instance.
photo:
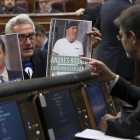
column 98, row 135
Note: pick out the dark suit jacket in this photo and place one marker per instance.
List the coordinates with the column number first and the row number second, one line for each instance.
column 39, row 60
column 46, row 46
column 52, row 11
column 14, row 74
column 17, row 10
column 91, row 13
column 111, row 50
column 126, row 126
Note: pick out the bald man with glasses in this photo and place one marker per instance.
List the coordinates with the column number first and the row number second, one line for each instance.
column 46, row 7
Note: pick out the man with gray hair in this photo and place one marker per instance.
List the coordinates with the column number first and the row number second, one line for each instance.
column 41, row 41
column 33, row 60
column 129, row 34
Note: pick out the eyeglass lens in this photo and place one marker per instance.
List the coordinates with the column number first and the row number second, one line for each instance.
column 23, row 38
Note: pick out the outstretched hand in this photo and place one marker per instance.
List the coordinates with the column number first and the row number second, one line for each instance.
column 99, row 70
column 95, row 34
column 79, row 12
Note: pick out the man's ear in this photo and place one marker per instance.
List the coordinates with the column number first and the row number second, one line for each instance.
column 39, row 34
column 133, row 36
column 5, row 54
column 66, row 30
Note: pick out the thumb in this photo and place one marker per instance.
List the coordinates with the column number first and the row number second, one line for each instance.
column 119, row 114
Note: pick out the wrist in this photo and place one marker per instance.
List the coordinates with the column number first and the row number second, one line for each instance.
column 112, row 79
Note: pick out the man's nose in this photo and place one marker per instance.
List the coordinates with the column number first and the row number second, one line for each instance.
column 28, row 41
column 43, row 3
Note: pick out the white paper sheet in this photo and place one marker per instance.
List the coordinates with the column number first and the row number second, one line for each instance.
column 98, row 135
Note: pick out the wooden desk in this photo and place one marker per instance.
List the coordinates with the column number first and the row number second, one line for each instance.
column 43, row 19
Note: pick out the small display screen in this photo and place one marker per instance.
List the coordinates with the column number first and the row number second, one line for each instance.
column 62, row 114
column 11, row 126
column 97, row 101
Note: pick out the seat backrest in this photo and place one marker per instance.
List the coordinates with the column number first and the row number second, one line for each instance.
column 91, row 3
column 23, row 4
column 59, row 5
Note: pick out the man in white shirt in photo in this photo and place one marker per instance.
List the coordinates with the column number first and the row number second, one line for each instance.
column 68, row 46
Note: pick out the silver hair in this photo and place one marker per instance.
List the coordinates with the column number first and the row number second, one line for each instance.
column 20, row 19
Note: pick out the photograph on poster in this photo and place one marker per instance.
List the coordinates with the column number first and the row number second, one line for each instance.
column 68, row 41
column 10, row 59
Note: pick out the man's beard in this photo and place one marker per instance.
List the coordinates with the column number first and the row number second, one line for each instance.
column 9, row 8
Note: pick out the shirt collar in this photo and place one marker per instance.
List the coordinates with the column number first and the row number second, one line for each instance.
column 46, row 11
column 44, row 43
column 5, row 75
column 12, row 12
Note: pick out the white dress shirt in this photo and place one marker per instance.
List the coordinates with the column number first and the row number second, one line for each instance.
column 5, row 75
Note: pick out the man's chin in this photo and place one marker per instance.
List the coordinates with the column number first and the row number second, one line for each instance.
column 26, row 57
column 44, row 10
column 9, row 8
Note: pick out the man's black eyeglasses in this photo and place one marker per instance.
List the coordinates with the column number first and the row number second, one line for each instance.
column 23, row 38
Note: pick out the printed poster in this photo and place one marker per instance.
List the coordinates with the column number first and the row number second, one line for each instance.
column 68, row 42
column 10, row 59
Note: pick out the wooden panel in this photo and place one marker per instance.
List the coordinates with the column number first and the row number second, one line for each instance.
column 1, row 3
column 73, row 5
column 43, row 19
column 89, row 109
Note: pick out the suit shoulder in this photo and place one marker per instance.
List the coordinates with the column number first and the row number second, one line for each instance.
column 36, row 11
column 39, row 56
column 55, row 11
column 40, row 53
column 90, row 9
column 20, row 10
column 1, row 10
